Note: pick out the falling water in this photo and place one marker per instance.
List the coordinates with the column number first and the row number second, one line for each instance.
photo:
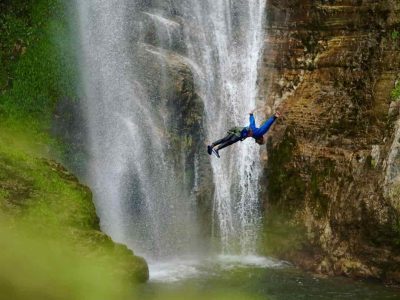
column 145, row 196
column 226, row 38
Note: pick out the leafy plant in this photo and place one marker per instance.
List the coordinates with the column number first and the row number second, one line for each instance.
column 395, row 94
column 395, row 34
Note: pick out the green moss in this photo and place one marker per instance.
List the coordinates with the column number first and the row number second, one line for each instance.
column 34, row 267
column 286, row 188
column 319, row 200
column 396, row 230
column 42, row 189
column 320, row 175
column 290, row 188
column 38, row 186
column 395, row 94
column 286, row 194
column 41, row 195
column 36, row 71
column 38, row 196
column 282, row 237
column 395, row 35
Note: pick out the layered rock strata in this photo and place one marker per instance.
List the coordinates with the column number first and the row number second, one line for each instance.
column 331, row 173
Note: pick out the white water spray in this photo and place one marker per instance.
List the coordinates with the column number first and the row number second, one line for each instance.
column 226, row 39
column 145, row 198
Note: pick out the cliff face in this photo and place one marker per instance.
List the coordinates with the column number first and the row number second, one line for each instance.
column 331, row 203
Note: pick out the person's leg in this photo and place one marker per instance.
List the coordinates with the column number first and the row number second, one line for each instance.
column 223, row 140
column 232, row 139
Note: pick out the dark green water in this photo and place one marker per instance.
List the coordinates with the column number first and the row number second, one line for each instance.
column 216, row 280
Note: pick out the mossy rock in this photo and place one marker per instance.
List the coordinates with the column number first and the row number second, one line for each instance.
column 43, row 196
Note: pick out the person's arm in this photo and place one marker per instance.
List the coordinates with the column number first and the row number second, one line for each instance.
column 255, row 110
column 267, row 125
column 252, row 121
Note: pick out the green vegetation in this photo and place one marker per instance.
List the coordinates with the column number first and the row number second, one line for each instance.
column 284, row 181
column 37, row 69
column 46, row 205
column 289, row 192
column 281, row 236
column 34, row 268
column 35, row 72
column 52, row 247
column 395, row 35
column 286, row 193
column 396, row 92
column 41, row 189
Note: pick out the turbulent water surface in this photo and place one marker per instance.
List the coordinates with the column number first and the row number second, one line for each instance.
column 232, row 277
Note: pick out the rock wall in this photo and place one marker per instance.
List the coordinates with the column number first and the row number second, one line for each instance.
column 331, row 172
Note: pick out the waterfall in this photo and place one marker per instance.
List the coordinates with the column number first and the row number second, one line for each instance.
column 145, row 157
column 226, row 38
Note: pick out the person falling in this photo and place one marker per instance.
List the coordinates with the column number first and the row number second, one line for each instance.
column 237, row 134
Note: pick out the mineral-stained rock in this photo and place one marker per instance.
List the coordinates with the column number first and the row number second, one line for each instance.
column 331, row 65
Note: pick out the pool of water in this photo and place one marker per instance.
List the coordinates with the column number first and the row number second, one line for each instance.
column 252, row 277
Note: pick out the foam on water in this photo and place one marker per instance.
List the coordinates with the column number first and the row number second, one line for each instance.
column 175, row 270
column 178, row 270
column 233, row 261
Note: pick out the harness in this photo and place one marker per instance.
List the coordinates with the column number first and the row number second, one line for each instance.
column 238, row 132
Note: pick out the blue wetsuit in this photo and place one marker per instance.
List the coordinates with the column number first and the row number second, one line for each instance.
column 259, row 132
column 237, row 134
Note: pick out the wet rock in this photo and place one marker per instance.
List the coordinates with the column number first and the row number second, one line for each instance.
column 331, row 66
column 69, row 126
column 170, row 82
